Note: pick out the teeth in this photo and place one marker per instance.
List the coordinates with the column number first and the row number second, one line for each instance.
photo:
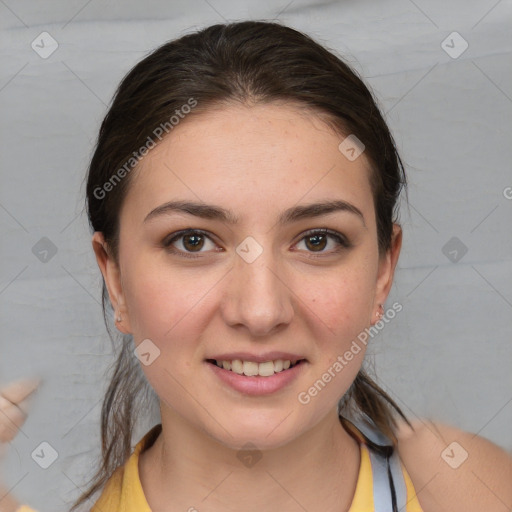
column 251, row 368
column 237, row 366
column 265, row 369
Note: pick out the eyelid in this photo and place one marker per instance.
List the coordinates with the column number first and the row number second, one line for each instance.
column 189, row 231
column 340, row 239
column 177, row 235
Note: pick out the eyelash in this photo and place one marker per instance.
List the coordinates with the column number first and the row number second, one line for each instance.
column 338, row 237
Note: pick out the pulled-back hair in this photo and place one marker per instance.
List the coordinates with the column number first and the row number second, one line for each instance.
column 250, row 62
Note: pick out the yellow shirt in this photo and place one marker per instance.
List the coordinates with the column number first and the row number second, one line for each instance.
column 123, row 492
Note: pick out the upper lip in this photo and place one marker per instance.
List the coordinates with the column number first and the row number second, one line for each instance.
column 257, row 358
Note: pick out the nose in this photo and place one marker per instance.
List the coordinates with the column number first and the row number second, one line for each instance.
column 258, row 296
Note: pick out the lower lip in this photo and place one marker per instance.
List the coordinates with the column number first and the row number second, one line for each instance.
column 257, row 385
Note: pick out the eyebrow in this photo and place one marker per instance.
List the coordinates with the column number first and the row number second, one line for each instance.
column 294, row 214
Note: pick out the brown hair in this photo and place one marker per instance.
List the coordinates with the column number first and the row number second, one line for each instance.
column 248, row 62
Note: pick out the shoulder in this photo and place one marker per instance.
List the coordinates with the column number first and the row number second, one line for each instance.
column 455, row 470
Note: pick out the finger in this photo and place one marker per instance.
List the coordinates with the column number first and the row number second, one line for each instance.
column 11, row 419
column 19, row 390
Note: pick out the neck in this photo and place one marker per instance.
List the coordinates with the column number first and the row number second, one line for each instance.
column 187, row 468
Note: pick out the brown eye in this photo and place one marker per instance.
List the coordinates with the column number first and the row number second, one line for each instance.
column 317, row 241
column 192, row 241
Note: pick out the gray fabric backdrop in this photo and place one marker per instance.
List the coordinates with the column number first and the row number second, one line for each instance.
column 446, row 356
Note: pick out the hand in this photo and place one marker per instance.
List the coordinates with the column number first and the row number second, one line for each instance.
column 14, row 402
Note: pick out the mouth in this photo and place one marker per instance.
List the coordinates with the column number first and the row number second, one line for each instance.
column 255, row 369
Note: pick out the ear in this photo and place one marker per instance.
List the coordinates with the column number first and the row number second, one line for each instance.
column 112, row 277
column 387, row 265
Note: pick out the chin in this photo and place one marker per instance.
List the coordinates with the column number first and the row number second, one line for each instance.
column 258, row 441
column 266, row 433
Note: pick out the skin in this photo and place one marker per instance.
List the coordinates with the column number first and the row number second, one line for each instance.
column 14, row 404
column 193, row 308
column 257, row 162
column 483, row 481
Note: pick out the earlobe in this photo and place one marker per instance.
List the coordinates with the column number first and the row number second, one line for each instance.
column 378, row 314
column 387, row 266
column 112, row 278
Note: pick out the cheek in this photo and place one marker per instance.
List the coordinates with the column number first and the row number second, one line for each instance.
column 166, row 310
column 161, row 305
column 341, row 301
column 339, row 313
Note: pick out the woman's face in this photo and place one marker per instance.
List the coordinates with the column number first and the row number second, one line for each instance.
column 251, row 289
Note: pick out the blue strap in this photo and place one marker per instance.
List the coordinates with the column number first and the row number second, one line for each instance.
column 370, row 431
column 388, row 478
column 381, row 489
column 398, row 481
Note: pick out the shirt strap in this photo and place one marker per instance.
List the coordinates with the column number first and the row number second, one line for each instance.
column 389, row 489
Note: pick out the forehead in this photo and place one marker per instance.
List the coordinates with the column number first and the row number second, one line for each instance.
column 271, row 155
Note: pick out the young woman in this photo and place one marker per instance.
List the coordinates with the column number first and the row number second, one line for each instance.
column 243, row 198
